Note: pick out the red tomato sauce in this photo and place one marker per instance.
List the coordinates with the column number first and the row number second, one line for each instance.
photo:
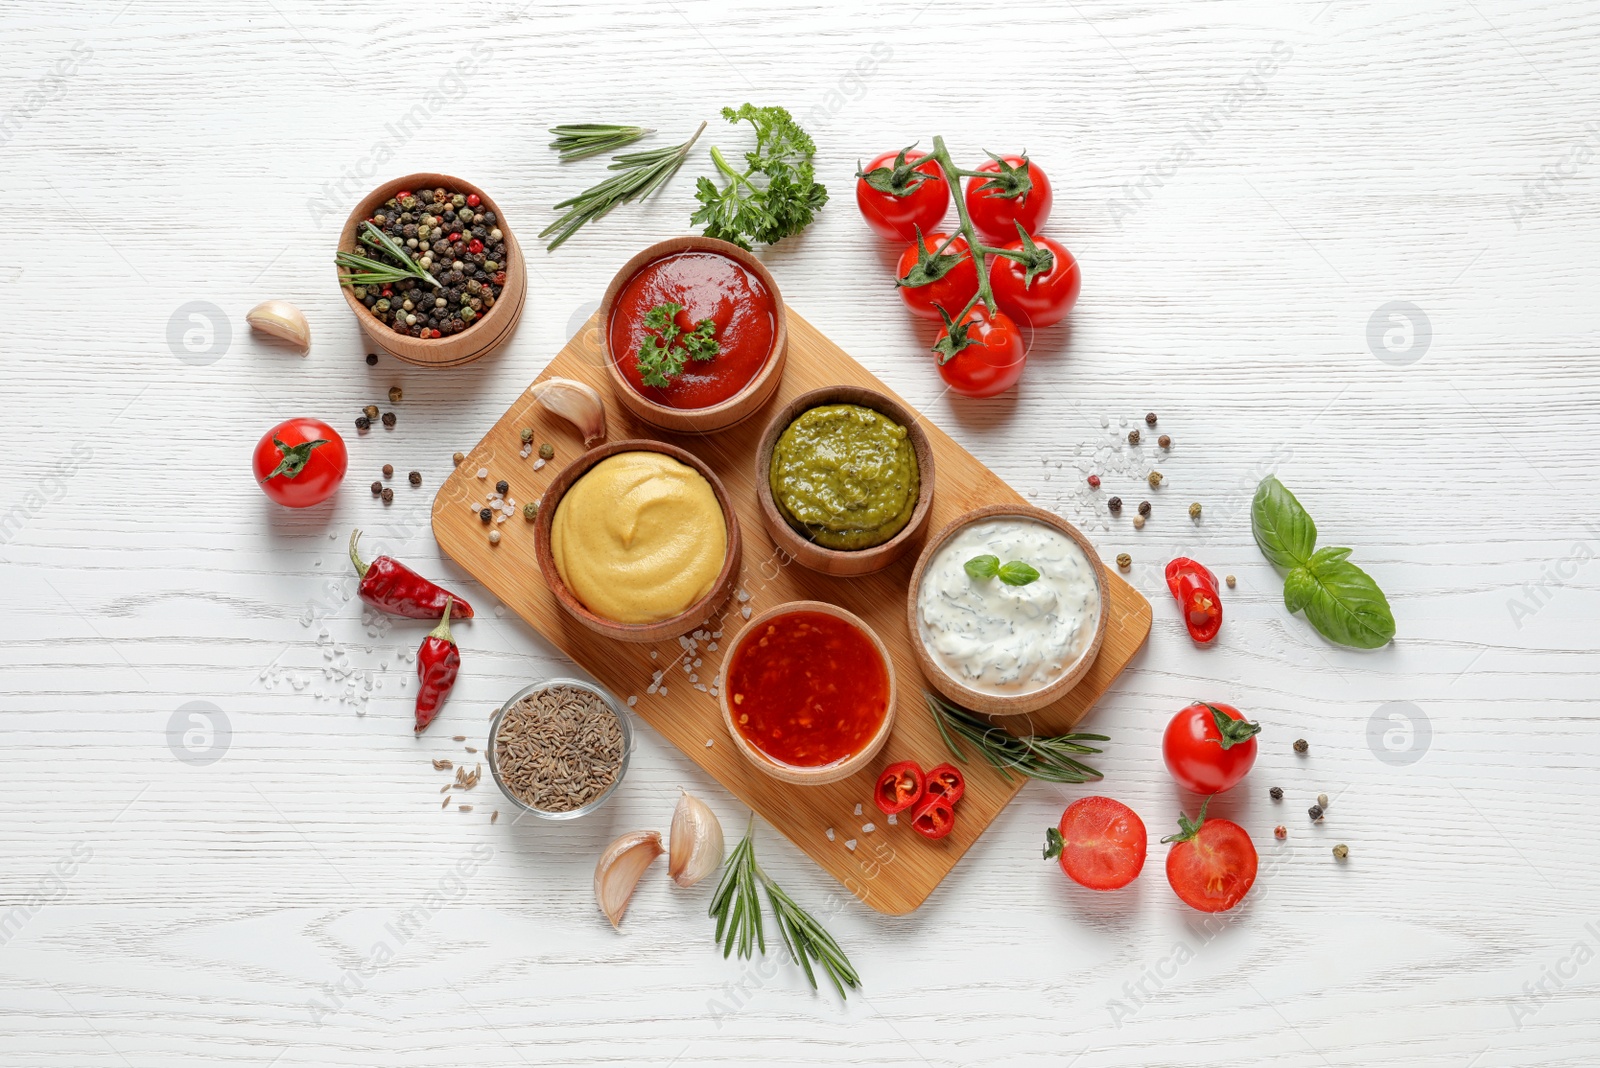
column 808, row 691
column 711, row 286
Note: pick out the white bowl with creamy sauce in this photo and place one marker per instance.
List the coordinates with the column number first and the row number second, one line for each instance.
column 998, row 646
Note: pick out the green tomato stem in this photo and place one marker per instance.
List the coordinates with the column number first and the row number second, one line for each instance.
column 968, row 231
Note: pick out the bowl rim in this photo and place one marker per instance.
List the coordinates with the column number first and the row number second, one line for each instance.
column 513, row 265
column 689, row 618
column 874, row 557
column 1006, row 704
column 648, row 409
column 617, row 709
column 827, row 773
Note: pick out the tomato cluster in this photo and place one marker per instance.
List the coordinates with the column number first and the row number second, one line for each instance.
column 1029, row 281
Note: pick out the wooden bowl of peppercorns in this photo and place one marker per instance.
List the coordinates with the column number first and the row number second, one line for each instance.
column 462, row 240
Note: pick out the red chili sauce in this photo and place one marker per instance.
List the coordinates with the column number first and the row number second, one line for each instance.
column 708, row 285
column 809, row 690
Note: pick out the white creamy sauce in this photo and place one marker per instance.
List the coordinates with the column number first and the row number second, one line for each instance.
column 1008, row 640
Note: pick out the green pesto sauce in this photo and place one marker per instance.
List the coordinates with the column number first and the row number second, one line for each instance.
column 845, row 476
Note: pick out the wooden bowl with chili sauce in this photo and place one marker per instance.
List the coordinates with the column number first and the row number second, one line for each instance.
column 708, row 279
column 808, row 693
column 1068, row 573
column 489, row 332
column 656, row 630
column 798, row 544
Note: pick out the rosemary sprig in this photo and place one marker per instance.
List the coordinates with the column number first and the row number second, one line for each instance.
column 366, row 271
column 737, row 908
column 641, row 174
column 580, row 140
column 1045, row 757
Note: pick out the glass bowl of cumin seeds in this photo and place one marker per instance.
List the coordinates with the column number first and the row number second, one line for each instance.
column 559, row 748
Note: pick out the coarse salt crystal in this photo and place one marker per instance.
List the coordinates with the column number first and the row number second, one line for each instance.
column 694, row 677
column 697, row 661
column 633, row 700
column 651, row 688
column 716, row 634
column 538, row 463
column 868, row 828
column 892, row 820
column 745, row 611
column 483, row 472
column 654, row 654
column 858, row 810
column 713, row 647
column 744, row 595
column 663, row 691
column 700, row 686
column 708, row 743
column 829, row 833
column 850, row 844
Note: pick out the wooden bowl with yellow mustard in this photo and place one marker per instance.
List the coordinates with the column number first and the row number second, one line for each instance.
column 638, row 541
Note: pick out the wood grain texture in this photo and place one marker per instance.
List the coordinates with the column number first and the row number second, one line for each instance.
column 890, row 868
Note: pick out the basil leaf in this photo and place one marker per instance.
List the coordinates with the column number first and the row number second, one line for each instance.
column 1017, row 573
column 1283, row 529
column 983, row 567
column 1340, row 600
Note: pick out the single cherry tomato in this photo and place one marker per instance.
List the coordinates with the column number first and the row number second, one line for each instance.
column 1195, row 587
column 954, row 281
column 899, row 787
column 1018, row 192
column 1209, row 748
column 993, row 364
column 1045, row 298
column 1212, row 864
column 300, row 462
column 946, row 781
column 934, row 818
column 1100, row 843
column 898, row 196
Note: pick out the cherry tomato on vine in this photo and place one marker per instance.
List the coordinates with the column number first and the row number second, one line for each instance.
column 1209, row 747
column 1100, row 843
column 992, row 364
column 300, row 462
column 1212, row 864
column 1045, row 298
column 897, row 195
column 955, row 280
column 1018, row 192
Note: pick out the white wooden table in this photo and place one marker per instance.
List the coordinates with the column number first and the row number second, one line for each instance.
column 1249, row 188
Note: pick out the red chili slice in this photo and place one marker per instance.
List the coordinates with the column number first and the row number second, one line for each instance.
column 934, row 818
column 945, row 781
column 1195, row 588
column 899, row 787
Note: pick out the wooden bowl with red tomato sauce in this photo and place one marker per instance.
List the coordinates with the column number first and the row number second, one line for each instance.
column 708, row 279
column 808, row 693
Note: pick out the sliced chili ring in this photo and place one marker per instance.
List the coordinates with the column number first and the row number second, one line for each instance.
column 947, row 782
column 899, row 787
column 934, row 818
column 1195, row 588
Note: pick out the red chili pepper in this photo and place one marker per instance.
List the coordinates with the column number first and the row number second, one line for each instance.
column 947, row 782
column 438, row 663
column 1195, row 588
column 472, row 200
column 392, row 587
column 934, row 817
column 899, row 787
column 475, row 247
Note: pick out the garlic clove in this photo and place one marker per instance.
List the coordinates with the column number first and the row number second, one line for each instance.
column 575, row 402
column 697, row 845
column 619, row 869
column 280, row 319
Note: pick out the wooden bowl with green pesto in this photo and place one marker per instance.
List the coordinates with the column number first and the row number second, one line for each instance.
column 884, row 532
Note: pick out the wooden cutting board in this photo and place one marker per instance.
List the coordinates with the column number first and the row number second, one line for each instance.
column 890, row 868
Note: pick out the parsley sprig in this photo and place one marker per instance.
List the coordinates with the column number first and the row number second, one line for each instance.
column 663, row 355
column 778, row 195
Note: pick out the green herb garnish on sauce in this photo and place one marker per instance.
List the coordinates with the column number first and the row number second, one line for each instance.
column 664, row 354
column 1012, row 572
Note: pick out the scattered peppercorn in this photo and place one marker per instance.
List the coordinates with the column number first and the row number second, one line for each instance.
column 1124, row 561
column 362, row 422
column 1165, row 441
column 1322, row 801
column 372, row 359
column 1154, row 478
column 485, row 515
column 1301, row 745
column 1144, row 507
column 415, row 478
column 388, row 470
column 530, row 511
column 1133, row 437
column 1341, row 851
column 494, row 537
column 370, row 411
column 1150, row 418
column 395, row 393
column 1094, row 481
column 1276, row 793
column 547, row 451
column 1315, row 812
column 1231, row 581
column 388, row 419
column 1194, row 510
column 377, row 489
column 1138, row 522
column 502, row 487
column 1280, row 831
column 1115, row 504
column 527, row 435
column 457, row 458
column 388, row 495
